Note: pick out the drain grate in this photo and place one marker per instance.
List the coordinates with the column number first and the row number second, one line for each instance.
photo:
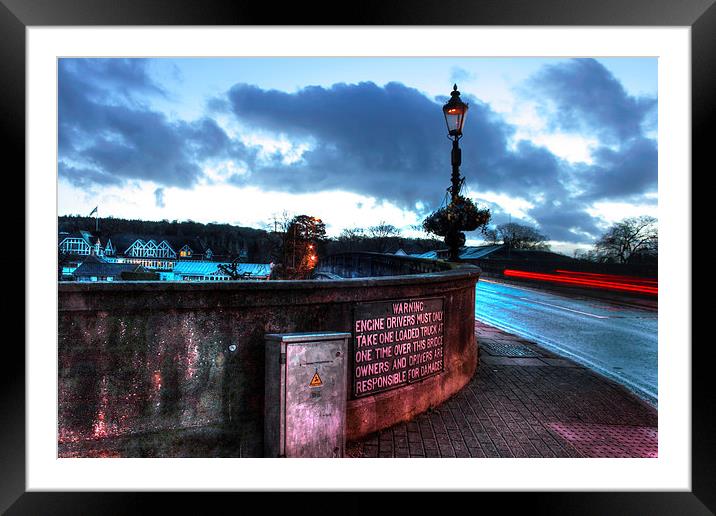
column 593, row 440
column 500, row 349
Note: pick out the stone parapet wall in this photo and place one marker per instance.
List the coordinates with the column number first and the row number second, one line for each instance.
column 177, row 369
column 367, row 265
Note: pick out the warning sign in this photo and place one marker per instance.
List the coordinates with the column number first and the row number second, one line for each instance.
column 315, row 381
column 396, row 343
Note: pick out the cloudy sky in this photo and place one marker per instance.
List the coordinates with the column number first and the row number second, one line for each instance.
column 567, row 145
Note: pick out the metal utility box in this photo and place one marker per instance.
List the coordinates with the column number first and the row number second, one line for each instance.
column 305, row 394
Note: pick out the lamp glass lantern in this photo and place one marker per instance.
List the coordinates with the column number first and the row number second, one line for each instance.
column 455, row 112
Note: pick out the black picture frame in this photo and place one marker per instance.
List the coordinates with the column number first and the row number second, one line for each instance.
column 17, row 15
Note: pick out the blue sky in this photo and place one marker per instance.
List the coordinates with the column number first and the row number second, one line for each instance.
column 567, row 145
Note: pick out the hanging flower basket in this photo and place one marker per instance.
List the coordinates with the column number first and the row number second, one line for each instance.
column 462, row 215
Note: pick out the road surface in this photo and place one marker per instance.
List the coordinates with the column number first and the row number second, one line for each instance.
column 614, row 339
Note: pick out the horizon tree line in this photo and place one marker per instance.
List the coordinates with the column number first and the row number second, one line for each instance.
column 296, row 243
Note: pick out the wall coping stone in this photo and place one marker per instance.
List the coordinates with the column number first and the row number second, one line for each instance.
column 464, row 271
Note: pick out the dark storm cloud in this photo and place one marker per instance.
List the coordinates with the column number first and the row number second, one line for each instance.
column 565, row 220
column 368, row 139
column 631, row 170
column 582, row 96
column 121, row 77
column 106, row 127
column 388, row 142
column 85, row 177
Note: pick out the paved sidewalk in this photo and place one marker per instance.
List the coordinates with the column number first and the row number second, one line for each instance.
column 524, row 401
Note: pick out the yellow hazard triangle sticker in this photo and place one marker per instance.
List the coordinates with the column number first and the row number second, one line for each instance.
column 315, row 381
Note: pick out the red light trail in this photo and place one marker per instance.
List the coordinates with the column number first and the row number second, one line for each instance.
column 611, row 277
column 591, row 280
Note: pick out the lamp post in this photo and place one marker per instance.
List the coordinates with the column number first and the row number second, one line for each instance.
column 455, row 111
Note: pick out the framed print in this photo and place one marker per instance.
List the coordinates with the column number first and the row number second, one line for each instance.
column 52, row 49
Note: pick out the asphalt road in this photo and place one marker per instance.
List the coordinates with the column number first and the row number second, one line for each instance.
column 615, row 339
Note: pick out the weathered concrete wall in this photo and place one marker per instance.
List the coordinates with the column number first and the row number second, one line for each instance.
column 177, row 369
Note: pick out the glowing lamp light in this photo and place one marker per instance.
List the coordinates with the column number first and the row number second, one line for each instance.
column 455, row 112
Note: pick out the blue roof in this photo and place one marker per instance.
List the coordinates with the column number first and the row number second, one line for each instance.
column 255, row 269
column 197, row 268
column 100, row 268
column 430, row 254
column 466, row 253
column 472, row 253
column 201, row 268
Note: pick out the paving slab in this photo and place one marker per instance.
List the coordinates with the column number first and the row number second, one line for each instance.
column 529, row 402
column 515, row 361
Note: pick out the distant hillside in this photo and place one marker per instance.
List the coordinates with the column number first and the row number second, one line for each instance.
column 225, row 240
column 386, row 245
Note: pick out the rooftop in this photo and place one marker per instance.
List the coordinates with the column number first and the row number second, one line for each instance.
column 102, row 268
column 203, row 268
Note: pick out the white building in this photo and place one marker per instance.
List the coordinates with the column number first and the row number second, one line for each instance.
column 173, row 258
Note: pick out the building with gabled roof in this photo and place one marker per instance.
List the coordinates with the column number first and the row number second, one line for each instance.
column 85, row 256
column 96, row 269
column 76, row 243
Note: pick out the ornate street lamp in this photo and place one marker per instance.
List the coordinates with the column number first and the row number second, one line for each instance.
column 461, row 214
column 455, row 112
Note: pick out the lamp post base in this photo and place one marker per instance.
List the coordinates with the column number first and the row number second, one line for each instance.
column 455, row 240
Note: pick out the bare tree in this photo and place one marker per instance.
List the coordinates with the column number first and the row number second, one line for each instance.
column 490, row 235
column 628, row 239
column 232, row 269
column 279, row 223
column 277, row 227
column 519, row 236
column 589, row 255
column 382, row 233
column 350, row 238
